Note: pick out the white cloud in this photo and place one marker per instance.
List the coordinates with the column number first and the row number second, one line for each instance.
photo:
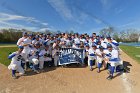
column 106, row 4
column 96, row 29
column 127, row 24
column 7, row 17
column 6, row 22
column 61, row 7
column 78, row 16
column 43, row 29
column 65, row 12
column 16, row 26
column 119, row 10
column 45, row 24
column 81, row 18
column 31, row 20
column 97, row 21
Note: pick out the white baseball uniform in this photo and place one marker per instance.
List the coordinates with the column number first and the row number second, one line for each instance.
column 91, row 55
column 16, row 63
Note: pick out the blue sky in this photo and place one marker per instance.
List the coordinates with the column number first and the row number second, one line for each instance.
column 77, row 15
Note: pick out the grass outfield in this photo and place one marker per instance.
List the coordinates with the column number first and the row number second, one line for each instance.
column 4, row 52
column 132, row 51
column 7, row 44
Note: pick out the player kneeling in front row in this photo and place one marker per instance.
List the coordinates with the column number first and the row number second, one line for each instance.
column 92, row 56
column 55, row 55
column 15, row 64
column 86, row 54
column 100, row 56
column 113, row 59
column 44, row 56
column 34, row 57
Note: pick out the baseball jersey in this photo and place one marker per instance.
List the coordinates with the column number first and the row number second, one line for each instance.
column 111, row 54
column 20, row 41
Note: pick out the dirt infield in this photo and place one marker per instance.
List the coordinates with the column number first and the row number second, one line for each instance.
column 72, row 80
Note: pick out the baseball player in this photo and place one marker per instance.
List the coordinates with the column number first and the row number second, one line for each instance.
column 86, row 53
column 44, row 55
column 112, row 57
column 37, row 40
column 83, row 39
column 55, row 55
column 27, row 47
column 91, row 41
column 74, row 45
column 113, row 42
column 57, row 42
column 76, row 39
column 103, row 43
column 100, row 56
column 67, row 40
column 15, row 64
column 92, row 56
column 94, row 35
column 34, row 57
column 20, row 41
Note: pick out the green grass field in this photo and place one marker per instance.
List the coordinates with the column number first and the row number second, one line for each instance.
column 4, row 52
column 132, row 51
column 7, row 44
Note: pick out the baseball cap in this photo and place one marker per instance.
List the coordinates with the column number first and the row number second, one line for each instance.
column 24, row 33
column 109, row 46
column 20, row 47
column 93, row 45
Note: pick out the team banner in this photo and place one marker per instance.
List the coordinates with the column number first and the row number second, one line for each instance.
column 71, row 55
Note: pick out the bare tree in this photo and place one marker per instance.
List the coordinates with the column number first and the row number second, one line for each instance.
column 107, row 31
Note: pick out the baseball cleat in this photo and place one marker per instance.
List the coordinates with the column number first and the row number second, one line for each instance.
column 23, row 74
column 14, row 76
column 36, row 71
column 98, row 71
column 110, row 77
column 91, row 69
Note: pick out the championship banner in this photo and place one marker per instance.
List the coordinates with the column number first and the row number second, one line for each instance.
column 71, row 55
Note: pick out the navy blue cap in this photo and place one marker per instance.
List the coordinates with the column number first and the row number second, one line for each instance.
column 30, row 35
column 37, row 36
column 97, row 41
column 97, row 35
column 101, row 36
column 37, row 44
column 20, row 47
column 109, row 45
column 91, row 37
column 58, row 39
column 24, row 33
column 108, row 37
column 100, row 47
column 41, row 33
column 46, row 45
column 87, row 45
column 93, row 45
column 44, row 35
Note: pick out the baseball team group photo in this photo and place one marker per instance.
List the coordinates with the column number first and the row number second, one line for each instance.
column 75, row 46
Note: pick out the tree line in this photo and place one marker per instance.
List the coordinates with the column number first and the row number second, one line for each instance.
column 128, row 35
